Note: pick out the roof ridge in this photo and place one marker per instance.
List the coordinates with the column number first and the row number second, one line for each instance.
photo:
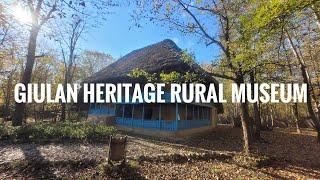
column 163, row 42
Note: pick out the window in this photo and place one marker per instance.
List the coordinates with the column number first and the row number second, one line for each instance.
column 147, row 113
column 128, row 111
column 189, row 112
column 104, row 106
column 137, row 112
column 196, row 112
column 119, row 110
column 201, row 112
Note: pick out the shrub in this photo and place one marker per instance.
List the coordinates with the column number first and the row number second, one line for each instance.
column 58, row 131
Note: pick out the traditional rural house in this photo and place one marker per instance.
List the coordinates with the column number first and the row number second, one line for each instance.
column 160, row 119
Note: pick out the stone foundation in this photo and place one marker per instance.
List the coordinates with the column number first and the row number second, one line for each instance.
column 168, row 134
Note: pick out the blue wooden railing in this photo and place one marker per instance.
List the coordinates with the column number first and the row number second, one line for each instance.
column 162, row 124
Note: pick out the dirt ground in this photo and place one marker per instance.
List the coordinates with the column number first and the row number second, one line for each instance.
column 216, row 155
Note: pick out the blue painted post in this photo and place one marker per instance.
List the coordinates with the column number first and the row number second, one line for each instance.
column 123, row 113
column 186, row 120
column 177, row 114
column 160, row 116
column 142, row 115
column 192, row 112
column 202, row 112
column 132, row 115
column 186, row 112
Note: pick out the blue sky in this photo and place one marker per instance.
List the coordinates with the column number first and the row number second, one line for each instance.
column 115, row 37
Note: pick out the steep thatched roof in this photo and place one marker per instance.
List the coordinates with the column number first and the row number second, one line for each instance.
column 164, row 56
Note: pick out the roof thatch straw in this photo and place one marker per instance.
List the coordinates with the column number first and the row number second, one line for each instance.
column 162, row 57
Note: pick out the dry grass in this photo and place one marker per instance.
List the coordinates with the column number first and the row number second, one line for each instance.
column 217, row 155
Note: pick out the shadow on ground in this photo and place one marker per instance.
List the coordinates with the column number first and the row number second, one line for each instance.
column 217, row 154
column 288, row 151
column 35, row 166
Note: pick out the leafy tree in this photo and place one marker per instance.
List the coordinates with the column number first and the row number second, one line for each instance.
column 43, row 11
column 197, row 20
column 281, row 20
column 90, row 62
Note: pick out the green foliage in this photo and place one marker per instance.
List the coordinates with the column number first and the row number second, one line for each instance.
column 188, row 58
column 272, row 13
column 261, row 27
column 172, row 77
column 58, row 131
column 175, row 77
column 190, row 77
column 138, row 73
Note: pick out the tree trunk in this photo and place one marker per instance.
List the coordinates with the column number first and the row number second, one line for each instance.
column 42, row 109
column 245, row 120
column 306, row 80
column 7, row 93
column 295, row 113
column 317, row 15
column 35, row 112
column 263, row 117
column 63, row 112
column 256, row 113
column 67, row 79
column 68, row 73
column 245, row 127
column 64, row 105
column 20, row 107
column 272, row 117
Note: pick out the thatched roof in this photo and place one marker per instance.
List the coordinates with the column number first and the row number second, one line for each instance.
column 164, row 56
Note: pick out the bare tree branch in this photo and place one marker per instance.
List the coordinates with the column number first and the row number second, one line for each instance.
column 201, row 27
column 48, row 16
